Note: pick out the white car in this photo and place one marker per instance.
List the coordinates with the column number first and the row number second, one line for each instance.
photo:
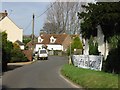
column 43, row 54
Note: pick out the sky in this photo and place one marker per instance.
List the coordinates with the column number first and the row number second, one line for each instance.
column 21, row 11
column 21, row 14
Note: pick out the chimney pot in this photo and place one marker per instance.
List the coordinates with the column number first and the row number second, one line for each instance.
column 6, row 13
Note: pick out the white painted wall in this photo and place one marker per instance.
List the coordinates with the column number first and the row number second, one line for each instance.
column 38, row 46
column 55, row 47
column 22, row 47
column 101, row 43
column 13, row 32
column 86, row 47
column 49, row 47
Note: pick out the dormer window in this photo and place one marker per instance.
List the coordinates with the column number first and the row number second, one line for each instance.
column 52, row 39
column 40, row 40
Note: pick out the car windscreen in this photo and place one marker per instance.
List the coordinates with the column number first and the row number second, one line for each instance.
column 43, row 51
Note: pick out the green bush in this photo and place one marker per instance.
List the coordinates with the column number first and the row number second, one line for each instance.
column 93, row 47
column 113, row 41
column 7, row 46
column 18, row 56
column 76, row 44
column 112, row 63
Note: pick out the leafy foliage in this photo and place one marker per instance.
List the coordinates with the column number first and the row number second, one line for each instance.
column 93, row 47
column 6, row 51
column 10, row 52
column 76, row 44
column 17, row 56
column 16, row 46
column 112, row 64
column 105, row 14
column 113, row 41
column 25, row 41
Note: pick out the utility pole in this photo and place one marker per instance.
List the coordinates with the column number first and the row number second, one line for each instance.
column 33, row 29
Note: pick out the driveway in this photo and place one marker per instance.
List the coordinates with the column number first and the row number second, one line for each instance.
column 40, row 74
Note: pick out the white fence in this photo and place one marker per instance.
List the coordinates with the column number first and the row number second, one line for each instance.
column 93, row 62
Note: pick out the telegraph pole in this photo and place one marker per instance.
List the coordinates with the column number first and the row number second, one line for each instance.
column 33, row 29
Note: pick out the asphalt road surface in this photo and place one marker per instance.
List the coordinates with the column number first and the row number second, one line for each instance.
column 40, row 74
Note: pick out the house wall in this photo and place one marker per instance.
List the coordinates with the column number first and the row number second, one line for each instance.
column 13, row 32
column 66, row 43
column 38, row 46
column 55, row 47
column 22, row 47
column 49, row 47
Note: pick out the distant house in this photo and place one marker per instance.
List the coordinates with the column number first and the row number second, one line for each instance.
column 14, row 33
column 53, row 42
column 22, row 46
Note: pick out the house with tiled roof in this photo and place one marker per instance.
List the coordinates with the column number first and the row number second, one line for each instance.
column 53, row 42
column 14, row 33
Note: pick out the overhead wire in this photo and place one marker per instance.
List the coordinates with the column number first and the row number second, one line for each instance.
column 46, row 10
column 39, row 16
column 28, row 25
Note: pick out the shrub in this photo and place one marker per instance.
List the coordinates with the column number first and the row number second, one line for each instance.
column 93, row 47
column 112, row 62
column 18, row 56
column 7, row 46
column 76, row 44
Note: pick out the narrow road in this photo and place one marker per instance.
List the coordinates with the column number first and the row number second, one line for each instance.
column 40, row 74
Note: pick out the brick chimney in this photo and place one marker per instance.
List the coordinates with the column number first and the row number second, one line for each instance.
column 3, row 14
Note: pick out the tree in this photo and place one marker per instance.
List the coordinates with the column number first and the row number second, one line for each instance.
column 112, row 63
column 63, row 16
column 50, row 28
column 93, row 47
column 106, row 14
column 18, row 56
column 25, row 41
column 76, row 44
column 7, row 46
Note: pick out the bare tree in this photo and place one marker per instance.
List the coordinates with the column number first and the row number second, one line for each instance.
column 63, row 15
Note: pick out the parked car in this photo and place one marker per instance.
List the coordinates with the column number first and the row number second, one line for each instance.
column 42, row 54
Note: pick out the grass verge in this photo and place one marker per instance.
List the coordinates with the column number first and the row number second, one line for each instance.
column 90, row 78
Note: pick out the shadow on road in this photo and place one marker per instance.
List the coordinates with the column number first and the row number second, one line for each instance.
column 11, row 67
column 7, row 88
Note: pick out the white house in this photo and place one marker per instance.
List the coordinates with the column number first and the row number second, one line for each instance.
column 53, row 42
column 14, row 33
